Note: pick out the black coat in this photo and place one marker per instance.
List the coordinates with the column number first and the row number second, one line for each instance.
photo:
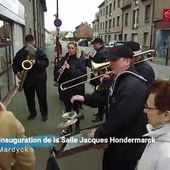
column 37, row 74
column 125, row 117
column 146, row 71
column 77, row 68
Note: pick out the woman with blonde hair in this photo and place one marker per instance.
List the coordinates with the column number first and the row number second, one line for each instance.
column 72, row 65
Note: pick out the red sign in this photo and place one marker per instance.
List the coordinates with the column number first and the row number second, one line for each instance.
column 166, row 15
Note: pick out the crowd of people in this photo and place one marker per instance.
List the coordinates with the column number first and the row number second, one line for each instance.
column 131, row 105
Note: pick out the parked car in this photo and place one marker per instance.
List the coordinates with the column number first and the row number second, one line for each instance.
column 115, row 43
column 83, row 43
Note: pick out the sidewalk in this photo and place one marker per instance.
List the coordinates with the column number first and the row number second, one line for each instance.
column 86, row 160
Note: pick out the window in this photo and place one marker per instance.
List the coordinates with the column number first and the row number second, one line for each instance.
column 101, row 12
column 100, row 26
column 110, row 23
column 126, row 19
column 136, row 2
column 118, row 21
column 6, row 53
column 145, row 38
column 135, row 19
column 118, row 4
column 110, row 9
column 135, row 37
column 114, row 5
column 115, row 37
column 119, row 36
column 125, row 37
column 113, row 22
column 106, row 26
column 147, row 12
column 106, row 11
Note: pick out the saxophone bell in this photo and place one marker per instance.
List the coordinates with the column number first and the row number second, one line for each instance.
column 27, row 64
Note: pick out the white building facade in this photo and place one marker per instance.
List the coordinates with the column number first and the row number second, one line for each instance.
column 12, row 22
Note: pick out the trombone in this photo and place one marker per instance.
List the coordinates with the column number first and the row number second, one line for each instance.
column 138, row 60
column 105, row 65
column 95, row 67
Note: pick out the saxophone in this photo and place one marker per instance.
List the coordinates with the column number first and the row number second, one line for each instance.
column 26, row 65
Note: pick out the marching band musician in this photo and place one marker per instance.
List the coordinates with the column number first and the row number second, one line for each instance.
column 99, row 57
column 125, row 117
column 36, row 78
column 143, row 68
column 71, row 66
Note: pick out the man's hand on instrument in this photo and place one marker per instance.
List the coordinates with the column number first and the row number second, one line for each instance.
column 33, row 61
column 77, row 98
column 90, row 134
column 19, row 75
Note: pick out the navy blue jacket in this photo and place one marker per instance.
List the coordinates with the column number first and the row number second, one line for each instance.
column 125, row 117
column 37, row 73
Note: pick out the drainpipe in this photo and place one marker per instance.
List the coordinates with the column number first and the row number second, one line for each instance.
column 152, row 23
column 34, row 19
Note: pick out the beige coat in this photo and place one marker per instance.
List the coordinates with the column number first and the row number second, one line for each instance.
column 11, row 127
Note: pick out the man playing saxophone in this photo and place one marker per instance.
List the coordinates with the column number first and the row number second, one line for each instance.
column 36, row 77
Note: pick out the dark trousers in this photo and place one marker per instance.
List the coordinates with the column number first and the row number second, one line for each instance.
column 109, row 163
column 41, row 92
column 101, row 111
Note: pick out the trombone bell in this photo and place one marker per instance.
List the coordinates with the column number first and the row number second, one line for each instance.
column 96, row 66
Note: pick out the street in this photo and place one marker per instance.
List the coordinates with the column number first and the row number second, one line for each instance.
column 86, row 160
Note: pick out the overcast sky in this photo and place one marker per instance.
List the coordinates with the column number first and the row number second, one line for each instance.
column 71, row 12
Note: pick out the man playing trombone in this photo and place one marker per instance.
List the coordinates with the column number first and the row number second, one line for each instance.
column 99, row 57
column 125, row 117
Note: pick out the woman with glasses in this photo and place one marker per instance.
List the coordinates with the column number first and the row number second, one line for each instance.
column 72, row 65
column 156, row 155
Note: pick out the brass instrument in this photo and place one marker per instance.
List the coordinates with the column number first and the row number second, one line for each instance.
column 26, row 65
column 95, row 67
column 137, row 57
column 98, row 66
column 90, row 54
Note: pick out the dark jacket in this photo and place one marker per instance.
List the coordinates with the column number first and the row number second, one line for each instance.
column 125, row 117
column 146, row 71
column 52, row 164
column 77, row 68
column 37, row 73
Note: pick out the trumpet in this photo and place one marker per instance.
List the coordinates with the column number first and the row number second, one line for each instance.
column 96, row 66
column 89, row 54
